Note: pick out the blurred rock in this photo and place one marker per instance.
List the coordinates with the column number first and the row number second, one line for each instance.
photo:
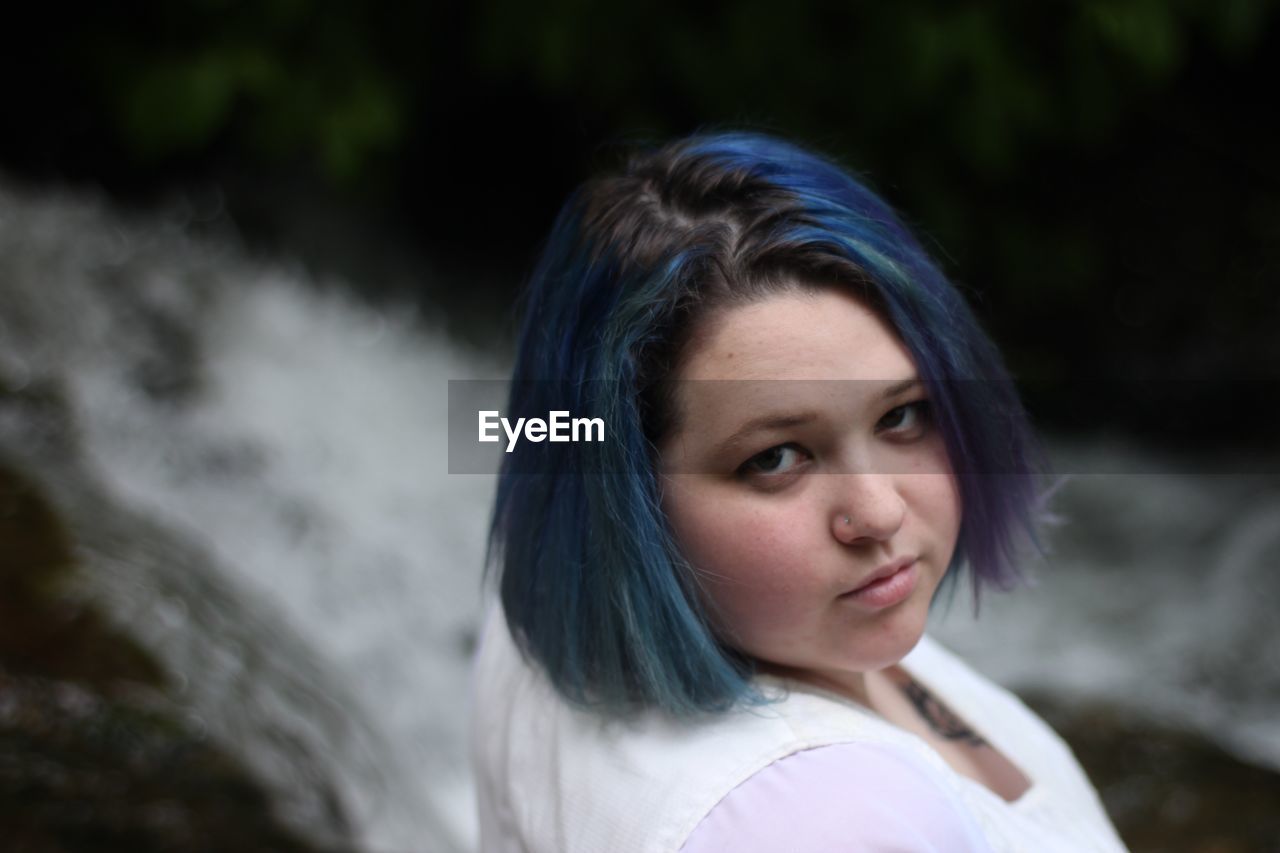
column 1166, row 789
column 45, row 630
column 97, row 751
column 79, row 771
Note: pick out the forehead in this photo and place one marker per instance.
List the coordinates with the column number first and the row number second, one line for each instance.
column 797, row 334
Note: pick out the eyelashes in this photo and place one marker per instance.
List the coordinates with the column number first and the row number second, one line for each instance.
column 778, row 459
column 909, row 419
column 775, row 466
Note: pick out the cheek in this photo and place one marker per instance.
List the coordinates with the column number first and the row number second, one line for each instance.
column 751, row 564
column 936, row 499
column 933, row 494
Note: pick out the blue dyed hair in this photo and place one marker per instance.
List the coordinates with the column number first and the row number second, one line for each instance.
column 592, row 583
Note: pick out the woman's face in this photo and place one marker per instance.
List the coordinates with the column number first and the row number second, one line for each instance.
column 807, row 486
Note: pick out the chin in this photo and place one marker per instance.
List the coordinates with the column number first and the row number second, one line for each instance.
column 895, row 642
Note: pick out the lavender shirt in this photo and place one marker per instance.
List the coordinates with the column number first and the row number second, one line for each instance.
column 833, row 799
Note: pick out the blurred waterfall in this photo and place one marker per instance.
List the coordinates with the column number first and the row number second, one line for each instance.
column 295, row 436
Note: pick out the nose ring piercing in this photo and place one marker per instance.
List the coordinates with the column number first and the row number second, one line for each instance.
column 847, row 521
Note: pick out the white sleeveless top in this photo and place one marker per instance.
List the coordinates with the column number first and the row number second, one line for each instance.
column 552, row 778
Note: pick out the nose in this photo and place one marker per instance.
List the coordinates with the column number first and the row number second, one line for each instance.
column 868, row 508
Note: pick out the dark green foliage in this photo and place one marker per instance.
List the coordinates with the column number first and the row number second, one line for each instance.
column 1101, row 175
column 335, row 79
column 281, row 79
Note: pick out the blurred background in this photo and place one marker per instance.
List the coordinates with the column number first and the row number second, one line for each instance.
column 244, row 246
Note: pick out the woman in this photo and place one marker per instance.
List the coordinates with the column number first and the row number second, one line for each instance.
column 712, row 622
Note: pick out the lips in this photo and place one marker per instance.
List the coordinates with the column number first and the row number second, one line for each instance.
column 888, row 570
column 889, row 585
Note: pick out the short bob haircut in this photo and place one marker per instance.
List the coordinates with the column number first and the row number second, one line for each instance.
column 593, row 587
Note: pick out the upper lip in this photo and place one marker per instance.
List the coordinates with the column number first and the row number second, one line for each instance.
column 887, row 570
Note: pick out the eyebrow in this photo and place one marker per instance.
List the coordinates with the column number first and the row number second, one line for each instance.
column 900, row 388
column 780, row 422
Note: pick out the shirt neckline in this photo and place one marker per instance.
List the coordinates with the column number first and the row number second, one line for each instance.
column 1035, row 787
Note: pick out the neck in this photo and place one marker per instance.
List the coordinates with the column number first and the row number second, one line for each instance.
column 851, row 685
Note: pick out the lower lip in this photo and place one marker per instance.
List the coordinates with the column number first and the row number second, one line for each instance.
column 886, row 592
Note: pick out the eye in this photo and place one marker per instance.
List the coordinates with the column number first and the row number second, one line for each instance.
column 776, row 462
column 909, row 420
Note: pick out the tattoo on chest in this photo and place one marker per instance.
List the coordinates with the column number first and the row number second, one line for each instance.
column 939, row 717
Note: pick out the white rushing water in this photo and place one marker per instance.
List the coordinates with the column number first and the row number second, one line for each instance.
column 341, row 512
column 297, row 435
column 1159, row 594
column 305, row 448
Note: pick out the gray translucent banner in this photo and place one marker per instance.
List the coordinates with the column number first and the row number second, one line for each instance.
column 865, row 426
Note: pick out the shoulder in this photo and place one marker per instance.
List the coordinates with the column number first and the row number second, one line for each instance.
column 853, row 796
column 561, row 778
